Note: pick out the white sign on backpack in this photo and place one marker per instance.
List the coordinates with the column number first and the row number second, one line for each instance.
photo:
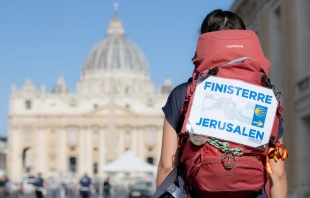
column 233, row 110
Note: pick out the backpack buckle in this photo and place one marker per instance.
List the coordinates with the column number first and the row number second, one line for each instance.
column 214, row 71
column 229, row 155
column 272, row 141
column 182, row 138
column 266, row 81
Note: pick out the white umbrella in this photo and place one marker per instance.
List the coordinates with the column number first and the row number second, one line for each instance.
column 128, row 163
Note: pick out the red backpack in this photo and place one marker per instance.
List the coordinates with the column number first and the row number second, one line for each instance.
column 219, row 167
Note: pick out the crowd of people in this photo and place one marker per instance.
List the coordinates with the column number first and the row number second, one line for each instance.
column 6, row 187
column 40, row 187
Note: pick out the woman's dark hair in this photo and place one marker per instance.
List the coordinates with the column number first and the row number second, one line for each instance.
column 221, row 20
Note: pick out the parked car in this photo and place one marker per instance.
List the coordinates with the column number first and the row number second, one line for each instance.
column 142, row 189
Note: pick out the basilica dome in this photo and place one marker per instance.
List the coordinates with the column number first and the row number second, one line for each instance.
column 115, row 52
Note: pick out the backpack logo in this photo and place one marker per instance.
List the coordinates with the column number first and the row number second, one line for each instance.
column 259, row 116
column 234, row 46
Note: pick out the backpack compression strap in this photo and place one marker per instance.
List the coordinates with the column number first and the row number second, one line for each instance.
column 182, row 135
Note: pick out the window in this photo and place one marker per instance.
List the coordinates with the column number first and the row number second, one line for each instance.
column 72, row 137
column 95, row 137
column 150, row 160
column 95, row 168
column 72, row 164
column 95, row 106
column 150, row 103
column 149, row 138
column 28, row 104
column 127, row 137
column 73, row 103
column 126, row 90
column 28, row 170
column 27, row 136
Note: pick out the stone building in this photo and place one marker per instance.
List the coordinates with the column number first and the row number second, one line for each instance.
column 3, row 154
column 114, row 108
column 283, row 28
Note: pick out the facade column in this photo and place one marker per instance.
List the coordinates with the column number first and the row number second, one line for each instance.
column 141, row 142
column 62, row 163
column 89, row 152
column 16, row 172
column 101, row 152
column 158, row 138
column 82, row 151
column 134, row 143
column 41, row 151
column 121, row 142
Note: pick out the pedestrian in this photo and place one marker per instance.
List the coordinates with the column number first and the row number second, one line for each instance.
column 71, row 187
column 1, row 187
column 7, row 187
column 40, row 186
column 54, row 188
column 223, row 167
column 107, row 188
column 85, row 186
column 63, row 188
column 15, row 190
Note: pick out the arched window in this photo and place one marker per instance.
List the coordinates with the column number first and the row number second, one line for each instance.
column 127, row 90
column 28, row 104
column 27, row 160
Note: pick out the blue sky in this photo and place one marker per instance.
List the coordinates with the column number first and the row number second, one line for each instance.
column 41, row 40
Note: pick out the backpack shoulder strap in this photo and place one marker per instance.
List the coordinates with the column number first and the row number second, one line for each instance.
column 181, row 120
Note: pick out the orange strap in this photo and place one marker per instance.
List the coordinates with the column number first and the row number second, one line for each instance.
column 276, row 155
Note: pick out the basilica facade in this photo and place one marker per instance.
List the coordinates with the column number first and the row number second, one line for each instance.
column 115, row 108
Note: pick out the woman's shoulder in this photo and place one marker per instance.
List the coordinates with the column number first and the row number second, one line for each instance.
column 174, row 104
column 180, row 89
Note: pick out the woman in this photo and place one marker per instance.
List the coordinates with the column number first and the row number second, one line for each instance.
column 215, row 21
column 40, row 186
column 85, row 186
